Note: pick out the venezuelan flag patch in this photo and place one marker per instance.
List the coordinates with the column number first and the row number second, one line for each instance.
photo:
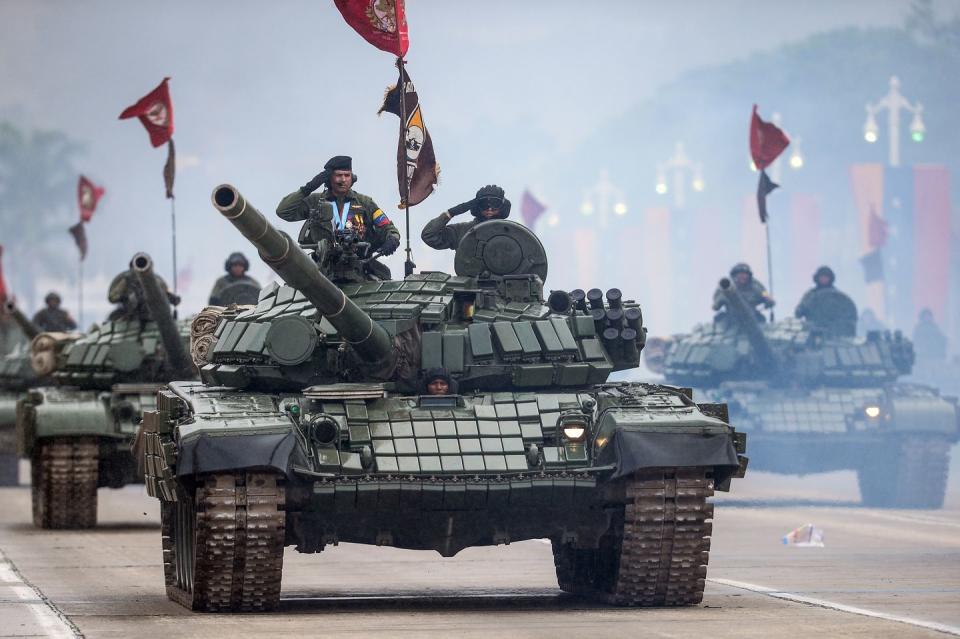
column 380, row 219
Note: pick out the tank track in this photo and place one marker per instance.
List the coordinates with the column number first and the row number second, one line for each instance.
column 909, row 473
column 657, row 554
column 223, row 546
column 64, row 476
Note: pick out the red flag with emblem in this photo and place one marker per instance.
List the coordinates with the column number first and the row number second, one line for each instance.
column 382, row 23
column 155, row 111
column 88, row 195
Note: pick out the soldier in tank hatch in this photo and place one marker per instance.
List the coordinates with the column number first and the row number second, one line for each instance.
column 488, row 204
column 54, row 318
column 752, row 291
column 352, row 211
column 827, row 308
column 236, row 267
column 126, row 292
column 929, row 342
column 437, row 381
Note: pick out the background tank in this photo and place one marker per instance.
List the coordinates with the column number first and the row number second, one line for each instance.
column 16, row 375
column 812, row 401
column 308, row 428
column 78, row 431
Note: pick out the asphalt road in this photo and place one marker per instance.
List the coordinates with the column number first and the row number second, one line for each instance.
column 881, row 574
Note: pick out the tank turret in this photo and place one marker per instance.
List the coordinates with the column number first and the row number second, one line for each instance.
column 743, row 316
column 156, row 301
column 29, row 329
column 367, row 338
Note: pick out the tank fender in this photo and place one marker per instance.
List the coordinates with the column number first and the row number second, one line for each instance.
column 214, row 452
column 924, row 413
column 633, row 445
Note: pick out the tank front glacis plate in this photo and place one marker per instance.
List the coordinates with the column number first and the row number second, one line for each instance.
column 481, row 435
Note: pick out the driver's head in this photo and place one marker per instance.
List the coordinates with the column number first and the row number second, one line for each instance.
column 490, row 204
column 437, row 381
column 340, row 176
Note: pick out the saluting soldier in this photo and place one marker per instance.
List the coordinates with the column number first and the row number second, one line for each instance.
column 54, row 318
column 488, row 204
column 352, row 211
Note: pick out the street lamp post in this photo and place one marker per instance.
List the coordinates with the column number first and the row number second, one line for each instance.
column 894, row 103
column 603, row 198
column 678, row 166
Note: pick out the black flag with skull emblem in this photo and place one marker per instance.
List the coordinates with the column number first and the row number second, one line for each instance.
column 417, row 168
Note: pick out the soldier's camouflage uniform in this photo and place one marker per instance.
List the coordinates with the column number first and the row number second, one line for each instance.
column 229, row 280
column 829, row 310
column 753, row 293
column 125, row 291
column 440, row 234
column 54, row 319
column 366, row 219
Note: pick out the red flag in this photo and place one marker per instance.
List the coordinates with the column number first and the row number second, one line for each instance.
column 876, row 230
column 80, row 237
column 767, row 141
column 531, row 209
column 3, row 286
column 382, row 23
column 155, row 111
column 88, row 194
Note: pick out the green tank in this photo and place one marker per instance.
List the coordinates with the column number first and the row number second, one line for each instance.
column 814, row 400
column 16, row 376
column 78, row 430
column 309, row 427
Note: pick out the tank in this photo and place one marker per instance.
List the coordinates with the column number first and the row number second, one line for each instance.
column 78, row 430
column 814, row 400
column 311, row 426
column 16, row 375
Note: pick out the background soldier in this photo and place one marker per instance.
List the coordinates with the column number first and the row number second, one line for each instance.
column 54, row 318
column 235, row 280
column 751, row 290
column 352, row 211
column 827, row 308
column 489, row 204
column 125, row 291
column 929, row 342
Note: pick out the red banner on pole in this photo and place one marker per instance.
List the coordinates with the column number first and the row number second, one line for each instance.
column 931, row 237
column 88, row 195
column 155, row 111
column 382, row 23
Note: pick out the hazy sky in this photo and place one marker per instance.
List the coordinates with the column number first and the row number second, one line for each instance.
column 264, row 94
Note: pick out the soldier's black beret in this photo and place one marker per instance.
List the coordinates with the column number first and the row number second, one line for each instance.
column 339, row 163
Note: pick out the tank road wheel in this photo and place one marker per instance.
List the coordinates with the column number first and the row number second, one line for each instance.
column 657, row 550
column 910, row 473
column 223, row 544
column 64, row 482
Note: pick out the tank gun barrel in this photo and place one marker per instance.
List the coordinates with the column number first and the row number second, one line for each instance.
column 156, row 300
column 370, row 340
column 29, row 329
column 743, row 316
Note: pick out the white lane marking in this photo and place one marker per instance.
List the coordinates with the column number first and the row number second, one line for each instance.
column 821, row 603
column 53, row 622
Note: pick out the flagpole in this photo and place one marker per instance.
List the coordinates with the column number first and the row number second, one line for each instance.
column 769, row 265
column 80, row 295
column 173, row 233
column 408, row 265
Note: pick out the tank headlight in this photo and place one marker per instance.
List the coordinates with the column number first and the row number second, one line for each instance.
column 575, row 431
column 872, row 411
